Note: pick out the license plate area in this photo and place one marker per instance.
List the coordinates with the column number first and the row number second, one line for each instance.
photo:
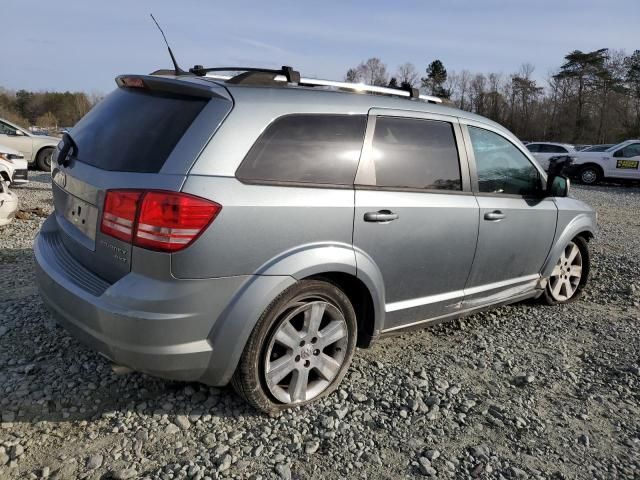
column 82, row 215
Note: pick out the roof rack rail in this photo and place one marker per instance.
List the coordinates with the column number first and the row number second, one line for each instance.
column 253, row 75
column 291, row 75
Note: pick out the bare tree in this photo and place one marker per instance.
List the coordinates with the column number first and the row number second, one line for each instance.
column 352, row 76
column 407, row 75
column 373, row 72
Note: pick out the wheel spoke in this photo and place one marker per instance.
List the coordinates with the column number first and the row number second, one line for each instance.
column 327, row 366
column 313, row 318
column 556, row 271
column 568, row 288
column 298, row 385
column 332, row 333
column 280, row 368
column 575, row 271
column 287, row 335
column 556, row 288
column 572, row 254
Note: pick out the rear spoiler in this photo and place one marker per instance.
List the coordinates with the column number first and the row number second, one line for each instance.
column 169, row 85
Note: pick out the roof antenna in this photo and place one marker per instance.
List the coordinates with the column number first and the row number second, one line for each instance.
column 176, row 67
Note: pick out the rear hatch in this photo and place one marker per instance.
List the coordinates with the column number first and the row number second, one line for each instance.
column 145, row 135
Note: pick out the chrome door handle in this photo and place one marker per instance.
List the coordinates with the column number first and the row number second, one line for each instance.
column 494, row 216
column 380, row 216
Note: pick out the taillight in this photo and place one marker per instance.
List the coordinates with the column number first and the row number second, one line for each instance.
column 159, row 220
column 119, row 215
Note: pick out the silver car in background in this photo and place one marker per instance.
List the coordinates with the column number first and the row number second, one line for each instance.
column 256, row 228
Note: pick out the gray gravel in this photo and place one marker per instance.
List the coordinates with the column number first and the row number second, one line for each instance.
column 524, row 391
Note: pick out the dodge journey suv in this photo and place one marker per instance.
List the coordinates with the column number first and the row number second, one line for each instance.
column 255, row 228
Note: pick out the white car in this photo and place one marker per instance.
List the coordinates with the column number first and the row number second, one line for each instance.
column 543, row 151
column 36, row 149
column 13, row 166
column 8, row 204
column 621, row 161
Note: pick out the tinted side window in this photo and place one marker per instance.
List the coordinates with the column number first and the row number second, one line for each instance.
column 629, row 151
column 502, row 168
column 413, row 153
column 552, row 149
column 320, row 149
column 533, row 147
column 7, row 129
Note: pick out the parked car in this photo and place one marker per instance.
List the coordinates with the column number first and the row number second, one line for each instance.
column 598, row 148
column 13, row 166
column 255, row 229
column 36, row 149
column 620, row 162
column 8, row 204
column 543, row 151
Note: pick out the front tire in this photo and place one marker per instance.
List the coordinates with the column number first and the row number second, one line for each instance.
column 300, row 349
column 43, row 160
column 590, row 175
column 570, row 275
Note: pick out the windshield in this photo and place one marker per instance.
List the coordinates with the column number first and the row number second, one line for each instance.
column 616, row 146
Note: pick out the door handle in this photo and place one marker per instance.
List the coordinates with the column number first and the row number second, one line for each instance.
column 494, row 216
column 380, row 216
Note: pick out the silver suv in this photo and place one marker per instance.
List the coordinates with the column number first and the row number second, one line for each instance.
column 256, row 228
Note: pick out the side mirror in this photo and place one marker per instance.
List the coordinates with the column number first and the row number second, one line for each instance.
column 558, row 186
column 619, row 153
column 19, row 133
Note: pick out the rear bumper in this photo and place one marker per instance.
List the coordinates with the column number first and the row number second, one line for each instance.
column 153, row 325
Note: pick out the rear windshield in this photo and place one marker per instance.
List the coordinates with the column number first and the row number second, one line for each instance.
column 134, row 130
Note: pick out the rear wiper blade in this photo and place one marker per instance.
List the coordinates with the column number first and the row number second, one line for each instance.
column 69, row 148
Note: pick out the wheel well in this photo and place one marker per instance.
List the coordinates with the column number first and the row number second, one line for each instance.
column 595, row 165
column 5, row 176
column 586, row 235
column 42, row 149
column 360, row 298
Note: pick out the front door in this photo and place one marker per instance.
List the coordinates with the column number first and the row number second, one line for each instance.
column 625, row 162
column 415, row 214
column 517, row 224
column 17, row 140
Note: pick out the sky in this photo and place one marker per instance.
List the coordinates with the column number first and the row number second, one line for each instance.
column 81, row 45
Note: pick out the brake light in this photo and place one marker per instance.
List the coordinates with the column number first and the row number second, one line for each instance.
column 157, row 220
column 132, row 82
column 171, row 221
column 119, row 215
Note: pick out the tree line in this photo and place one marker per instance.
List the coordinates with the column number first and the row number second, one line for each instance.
column 49, row 110
column 593, row 97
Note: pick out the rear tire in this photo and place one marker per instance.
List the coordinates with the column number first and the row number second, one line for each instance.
column 590, row 175
column 300, row 349
column 570, row 274
column 43, row 159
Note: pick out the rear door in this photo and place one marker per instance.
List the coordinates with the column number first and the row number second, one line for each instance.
column 517, row 225
column 415, row 215
column 143, row 136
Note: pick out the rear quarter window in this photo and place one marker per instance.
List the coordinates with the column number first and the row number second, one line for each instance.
column 134, row 130
column 306, row 148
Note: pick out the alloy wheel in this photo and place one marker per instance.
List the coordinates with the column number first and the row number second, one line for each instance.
column 306, row 351
column 588, row 175
column 566, row 276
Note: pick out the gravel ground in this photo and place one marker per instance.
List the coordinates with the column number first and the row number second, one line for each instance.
column 524, row 391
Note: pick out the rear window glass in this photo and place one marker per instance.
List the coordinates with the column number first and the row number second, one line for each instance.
column 319, row 149
column 134, row 130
